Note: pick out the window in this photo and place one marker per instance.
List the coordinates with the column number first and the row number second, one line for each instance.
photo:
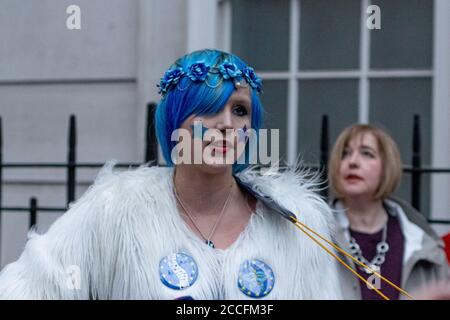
column 318, row 57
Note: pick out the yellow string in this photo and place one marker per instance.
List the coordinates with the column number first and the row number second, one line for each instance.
column 354, row 259
column 341, row 261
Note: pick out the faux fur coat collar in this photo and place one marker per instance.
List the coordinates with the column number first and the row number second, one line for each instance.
column 110, row 242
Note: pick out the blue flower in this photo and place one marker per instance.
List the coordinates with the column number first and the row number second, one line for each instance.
column 198, row 71
column 251, row 77
column 229, row 70
column 170, row 77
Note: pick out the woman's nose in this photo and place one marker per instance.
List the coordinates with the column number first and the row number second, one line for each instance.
column 354, row 160
column 224, row 121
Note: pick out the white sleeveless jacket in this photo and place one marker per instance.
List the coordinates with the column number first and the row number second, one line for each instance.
column 110, row 244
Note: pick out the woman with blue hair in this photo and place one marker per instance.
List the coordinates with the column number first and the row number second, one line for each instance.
column 189, row 230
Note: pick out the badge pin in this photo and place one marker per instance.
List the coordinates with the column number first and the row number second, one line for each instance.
column 256, row 279
column 178, row 271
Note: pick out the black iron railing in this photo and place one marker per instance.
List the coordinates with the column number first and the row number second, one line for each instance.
column 151, row 154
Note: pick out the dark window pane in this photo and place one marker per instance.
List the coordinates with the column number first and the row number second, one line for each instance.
column 274, row 101
column 405, row 39
column 336, row 98
column 393, row 103
column 329, row 34
column 260, row 33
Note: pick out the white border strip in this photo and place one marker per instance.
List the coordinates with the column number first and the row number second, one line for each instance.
column 224, row 25
column 364, row 58
column 440, row 157
column 347, row 74
column 401, row 74
column 200, row 14
column 292, row 114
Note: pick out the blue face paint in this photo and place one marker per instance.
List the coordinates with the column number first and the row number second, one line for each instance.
column 199, row 130
column 242, row 134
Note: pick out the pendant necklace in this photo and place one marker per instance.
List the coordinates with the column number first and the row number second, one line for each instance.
column 207, row 239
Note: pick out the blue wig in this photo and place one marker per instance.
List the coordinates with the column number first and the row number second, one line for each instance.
column 199, row 98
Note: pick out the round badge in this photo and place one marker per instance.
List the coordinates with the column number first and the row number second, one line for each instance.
column 178, row 271
column 256, row 278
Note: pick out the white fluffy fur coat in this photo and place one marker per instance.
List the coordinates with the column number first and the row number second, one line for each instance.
column 117, row 232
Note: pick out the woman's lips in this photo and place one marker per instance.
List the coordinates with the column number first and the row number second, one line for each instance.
column 220, row 149
column 221, row 146
column 353, row 178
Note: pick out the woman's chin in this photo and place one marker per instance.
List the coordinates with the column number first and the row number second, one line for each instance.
column 216, row 168
column 357, row 193
column 214, row 163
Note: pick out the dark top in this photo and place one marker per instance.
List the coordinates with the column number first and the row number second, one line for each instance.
column 391, row 269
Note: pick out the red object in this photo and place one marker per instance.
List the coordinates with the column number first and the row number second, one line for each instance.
column 447, row 246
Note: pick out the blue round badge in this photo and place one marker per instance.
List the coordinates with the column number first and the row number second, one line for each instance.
column 256, row 278
column 178, row 271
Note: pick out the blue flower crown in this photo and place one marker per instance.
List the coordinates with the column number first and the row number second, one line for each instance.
column 198, row 71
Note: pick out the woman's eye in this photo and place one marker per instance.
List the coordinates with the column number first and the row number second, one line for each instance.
column 345, row 153
column 367, row 154
column 240, row 111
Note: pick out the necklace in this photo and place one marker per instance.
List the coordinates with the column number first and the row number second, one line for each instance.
column 207, row 239
column 380, row 257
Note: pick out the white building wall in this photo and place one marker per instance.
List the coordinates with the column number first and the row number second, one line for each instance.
column 104, row 73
